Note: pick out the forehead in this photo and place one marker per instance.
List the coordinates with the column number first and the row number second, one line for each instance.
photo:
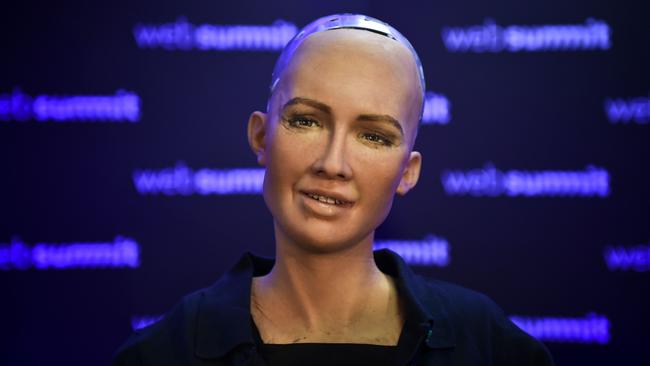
column 355, row 69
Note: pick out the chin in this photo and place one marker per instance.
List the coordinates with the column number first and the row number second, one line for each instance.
column 322, row 240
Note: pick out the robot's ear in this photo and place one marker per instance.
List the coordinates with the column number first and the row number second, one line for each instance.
column 411, row 173
column 257, row 135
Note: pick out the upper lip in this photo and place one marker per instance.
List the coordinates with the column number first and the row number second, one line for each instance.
column 335, row 195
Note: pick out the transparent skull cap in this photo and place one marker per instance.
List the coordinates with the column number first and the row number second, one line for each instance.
column 339, row 21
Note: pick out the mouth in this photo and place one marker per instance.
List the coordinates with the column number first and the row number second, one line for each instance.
column 327, row 199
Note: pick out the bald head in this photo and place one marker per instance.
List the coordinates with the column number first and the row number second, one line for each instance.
column 374, row 74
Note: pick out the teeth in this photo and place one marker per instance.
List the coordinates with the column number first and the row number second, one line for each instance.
column 325, row 199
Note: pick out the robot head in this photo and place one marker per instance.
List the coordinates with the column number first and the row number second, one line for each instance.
column 339, row 21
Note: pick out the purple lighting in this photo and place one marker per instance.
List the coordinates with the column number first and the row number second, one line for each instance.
column 437, row 109
column 490, row 182
column 183, row 35
column 184, row 181
column 141, row 321
column 122, row 252
column 636, row 258
column 491, row 37
column 593, row 328
column 622, row 111
column 432, row 251
column 122, row 107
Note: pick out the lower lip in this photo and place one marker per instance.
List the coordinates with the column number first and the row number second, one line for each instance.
column 322, row 208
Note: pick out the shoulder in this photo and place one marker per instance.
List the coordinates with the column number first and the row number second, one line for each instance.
column 459, row 301
column 478, row 323
column 166, row 341
column 206, row 324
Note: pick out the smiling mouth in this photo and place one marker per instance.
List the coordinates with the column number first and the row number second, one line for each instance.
column 326, row 199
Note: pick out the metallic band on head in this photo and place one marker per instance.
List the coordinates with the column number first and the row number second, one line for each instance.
column 339, row 21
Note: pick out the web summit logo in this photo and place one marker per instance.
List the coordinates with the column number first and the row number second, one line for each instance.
column 184, row 181
column 141, row 321
column 626, row 111
column 490, row 182
column 634, row 258
column 593, row 328
column 122, row 107
column 184, row 36
column 437, row 109
column 490, row 37
column 122, row 252
column 432, row 251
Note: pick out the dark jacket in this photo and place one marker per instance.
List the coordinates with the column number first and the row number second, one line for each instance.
column 445, row 325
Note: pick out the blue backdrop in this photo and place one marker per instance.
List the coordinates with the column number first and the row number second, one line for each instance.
column 127, row 180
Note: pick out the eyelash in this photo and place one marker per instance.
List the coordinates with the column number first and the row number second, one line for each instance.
column 377, row 139
column 298, row 122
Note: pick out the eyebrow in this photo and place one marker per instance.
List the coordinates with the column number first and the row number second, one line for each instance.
column 310, row 102
column 382, row 118
column 363, row 117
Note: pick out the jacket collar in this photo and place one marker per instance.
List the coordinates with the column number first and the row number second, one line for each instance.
column 224, row 321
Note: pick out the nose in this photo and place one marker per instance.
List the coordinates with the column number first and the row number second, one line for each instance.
column 332, row 161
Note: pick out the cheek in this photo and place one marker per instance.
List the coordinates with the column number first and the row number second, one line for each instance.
column 379, row 173
column 377, row 179
column 292, row 151
column 289, row 157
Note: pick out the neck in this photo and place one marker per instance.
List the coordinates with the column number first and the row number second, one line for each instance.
column 320, row 291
